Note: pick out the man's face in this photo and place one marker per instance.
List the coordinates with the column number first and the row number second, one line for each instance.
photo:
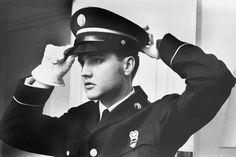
column 102, row 74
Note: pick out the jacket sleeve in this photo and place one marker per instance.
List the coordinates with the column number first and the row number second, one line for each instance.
column 23, row 126
column 208, row 85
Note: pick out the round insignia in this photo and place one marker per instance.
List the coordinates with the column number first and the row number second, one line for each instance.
column 81, row 20
column 123, row 42
column 138, row 106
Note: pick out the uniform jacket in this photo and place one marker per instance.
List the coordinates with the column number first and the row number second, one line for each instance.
column 135, row 128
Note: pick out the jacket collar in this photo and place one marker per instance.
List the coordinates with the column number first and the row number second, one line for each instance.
column 133, row 104
column 102, row 107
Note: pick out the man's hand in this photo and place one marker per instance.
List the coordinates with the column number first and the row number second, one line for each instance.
column 54, row 66
column 151, row 49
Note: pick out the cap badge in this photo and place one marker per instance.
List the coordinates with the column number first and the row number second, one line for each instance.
column 81, row 20
column 133, row 135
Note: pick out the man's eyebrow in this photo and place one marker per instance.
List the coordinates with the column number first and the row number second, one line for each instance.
column 82, row 57
column 95, row 55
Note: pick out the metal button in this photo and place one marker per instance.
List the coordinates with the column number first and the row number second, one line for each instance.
column 93, row 152
column 137, row 106
column 67, row 153
column 123, row 42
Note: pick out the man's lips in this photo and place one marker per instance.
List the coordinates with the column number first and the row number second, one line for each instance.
column 89, row 85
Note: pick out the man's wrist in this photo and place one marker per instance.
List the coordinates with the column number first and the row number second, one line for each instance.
column 41, row 85
column 30, row 81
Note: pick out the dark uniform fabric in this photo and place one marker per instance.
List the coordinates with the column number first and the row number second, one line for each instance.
column 135, row 128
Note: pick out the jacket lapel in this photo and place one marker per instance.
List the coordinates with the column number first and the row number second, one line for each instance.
column 92, row 117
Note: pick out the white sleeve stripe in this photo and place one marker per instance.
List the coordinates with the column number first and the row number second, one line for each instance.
column 171, row 61
column 25, row 104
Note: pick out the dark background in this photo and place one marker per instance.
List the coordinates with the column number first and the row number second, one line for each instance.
column 26, row 26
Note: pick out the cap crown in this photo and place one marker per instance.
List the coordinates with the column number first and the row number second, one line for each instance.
column 101, row 25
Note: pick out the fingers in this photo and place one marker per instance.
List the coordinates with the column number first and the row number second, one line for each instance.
column 70, row 60
column 158, row 44
column 56, row 54
column 151, row 51
column 146, row 28
column 53, row 53
column 151, row 39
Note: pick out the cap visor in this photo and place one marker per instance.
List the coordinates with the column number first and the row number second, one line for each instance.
column 89, row 47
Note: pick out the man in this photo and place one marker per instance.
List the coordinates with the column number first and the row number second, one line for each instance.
column 107, row 47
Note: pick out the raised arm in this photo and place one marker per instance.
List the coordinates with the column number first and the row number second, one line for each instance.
column 23, row 125
column 208, row 85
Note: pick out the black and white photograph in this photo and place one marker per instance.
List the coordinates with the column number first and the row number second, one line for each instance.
column 106, row 78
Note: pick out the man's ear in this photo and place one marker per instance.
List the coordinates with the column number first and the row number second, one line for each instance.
column 129, row 63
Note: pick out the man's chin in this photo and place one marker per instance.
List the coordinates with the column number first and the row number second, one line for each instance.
column 93, row 97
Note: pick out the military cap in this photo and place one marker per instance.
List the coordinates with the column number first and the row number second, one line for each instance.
column 96, row 29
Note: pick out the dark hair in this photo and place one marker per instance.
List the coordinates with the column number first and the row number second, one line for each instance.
column 123, row 54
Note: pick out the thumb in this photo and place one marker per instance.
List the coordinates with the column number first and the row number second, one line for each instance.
column 151, row 51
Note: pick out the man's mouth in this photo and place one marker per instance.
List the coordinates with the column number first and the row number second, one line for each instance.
column 89, row 85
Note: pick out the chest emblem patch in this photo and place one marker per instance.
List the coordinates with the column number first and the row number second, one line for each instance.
column 133, row 135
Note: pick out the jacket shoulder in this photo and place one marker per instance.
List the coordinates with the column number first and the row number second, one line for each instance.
column 164, row 106
column 166, row 100
column 81, row 108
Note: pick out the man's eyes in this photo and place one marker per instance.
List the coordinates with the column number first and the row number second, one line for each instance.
column 92, row 61
column 97, row 60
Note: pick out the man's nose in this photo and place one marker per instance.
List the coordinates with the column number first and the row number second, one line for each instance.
column 86, row 71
